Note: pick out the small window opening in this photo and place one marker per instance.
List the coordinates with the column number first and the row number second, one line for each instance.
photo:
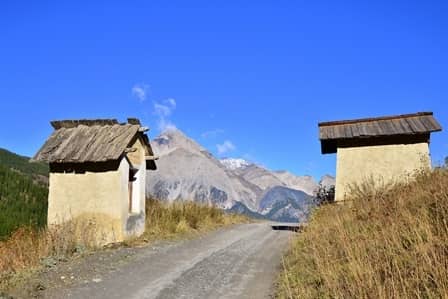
column 132, row 179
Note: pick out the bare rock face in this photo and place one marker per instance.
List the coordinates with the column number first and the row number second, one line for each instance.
column 327, row 181
column 259, row 176
column 187, row 171
column 285, row 204
column 305, row 183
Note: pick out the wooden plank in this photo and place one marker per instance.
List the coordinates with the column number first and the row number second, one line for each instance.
column 406, row 127
column 395, row 127
column 323, row 133
column 376, row 130
column 336, row 132
column 399, row 128
column 425, row 123
column 389, row 128
column 331, row 133
column 339, row 131
column 355, row 130
column 347, row 131
column 382, row 128
column 412, row 125
column 418, row 124
column 368, row 128
column 430, row 124
column 362, row 130
column 88, row 143
column 98, row 140
column 435, row 126
column 373, row 119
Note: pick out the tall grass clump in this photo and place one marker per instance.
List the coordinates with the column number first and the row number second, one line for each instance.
column 29, row 248
column 389, row 242
column 165, row 219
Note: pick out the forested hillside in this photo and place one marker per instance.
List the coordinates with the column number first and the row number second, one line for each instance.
column 22, row 164
column 23, row 193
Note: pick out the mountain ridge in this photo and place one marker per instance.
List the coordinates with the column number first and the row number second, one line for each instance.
column 187, row 171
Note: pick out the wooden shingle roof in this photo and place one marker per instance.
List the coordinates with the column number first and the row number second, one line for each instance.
column 84, row 141
column 331, row 133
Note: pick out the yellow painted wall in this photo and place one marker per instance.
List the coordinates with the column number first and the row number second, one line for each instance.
column 383, row 164
column 102, row 198
column 97, row 196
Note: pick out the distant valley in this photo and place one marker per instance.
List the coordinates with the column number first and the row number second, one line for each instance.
column 187, row 171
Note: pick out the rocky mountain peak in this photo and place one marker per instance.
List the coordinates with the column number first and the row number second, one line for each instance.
column 172, row 139
column 187, row 171
column 327, row 181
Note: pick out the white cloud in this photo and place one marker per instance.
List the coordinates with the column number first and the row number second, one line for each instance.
column 171, row 102
column 163, row 111
column 140, row 91
column 212, row 133
column 165, row 125
column 226, row 147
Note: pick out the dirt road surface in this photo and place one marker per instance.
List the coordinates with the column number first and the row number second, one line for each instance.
column 241, row 261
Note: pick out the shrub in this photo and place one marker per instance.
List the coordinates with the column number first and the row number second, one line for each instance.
column 325, row 194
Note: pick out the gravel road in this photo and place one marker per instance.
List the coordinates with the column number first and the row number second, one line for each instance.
column 237, row 262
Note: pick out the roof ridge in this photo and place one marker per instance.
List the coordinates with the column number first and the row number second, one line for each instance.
column 73, row 123
column 371, row 119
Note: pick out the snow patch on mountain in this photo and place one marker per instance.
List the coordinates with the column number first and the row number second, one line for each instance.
column 234, row 164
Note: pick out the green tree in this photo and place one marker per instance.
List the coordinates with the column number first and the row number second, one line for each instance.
column 23, row 201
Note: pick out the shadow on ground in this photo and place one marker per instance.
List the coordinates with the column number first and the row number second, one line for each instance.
column 293, row 228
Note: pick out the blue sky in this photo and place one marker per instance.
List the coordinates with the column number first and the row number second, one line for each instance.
column 248, row 79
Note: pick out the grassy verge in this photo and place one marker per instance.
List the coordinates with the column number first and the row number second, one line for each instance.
column 167, row 220
column 34, row 248
column 390, row 242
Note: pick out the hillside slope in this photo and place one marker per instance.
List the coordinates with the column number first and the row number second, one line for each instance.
column 22, row 164
column 286, row 205
column 388, row 243
column 23, row 193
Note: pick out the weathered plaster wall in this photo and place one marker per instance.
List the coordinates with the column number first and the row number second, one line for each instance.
column 135, row 223
column 102, row 198
column 98, row 196
column 384, row 164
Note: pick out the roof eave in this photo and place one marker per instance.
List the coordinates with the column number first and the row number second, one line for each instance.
column 330, row 146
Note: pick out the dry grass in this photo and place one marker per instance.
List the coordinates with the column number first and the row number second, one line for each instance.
column 30, row 248
column 390, row 242
column 166, row 220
